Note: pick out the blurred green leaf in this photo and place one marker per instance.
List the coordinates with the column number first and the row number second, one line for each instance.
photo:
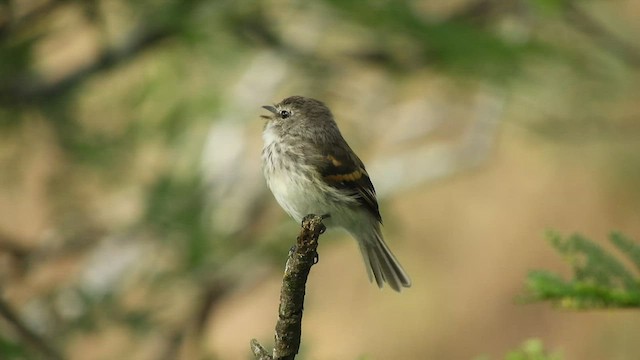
column 593, row 264
column 628, row 247
column 16, row 59
column 552, row 7
column 176, row 209
column 457, row 46
column 600, row 279
column 532, row 349
column 12, row 351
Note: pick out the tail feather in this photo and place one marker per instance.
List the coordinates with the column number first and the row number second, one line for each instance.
column 372, row 264
column 381, row 264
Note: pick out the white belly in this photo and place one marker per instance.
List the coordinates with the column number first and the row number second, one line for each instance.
column 295, row 194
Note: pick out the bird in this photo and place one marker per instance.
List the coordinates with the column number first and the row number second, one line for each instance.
column 310, row 169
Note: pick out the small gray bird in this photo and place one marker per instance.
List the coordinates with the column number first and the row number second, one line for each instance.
column 310, row 169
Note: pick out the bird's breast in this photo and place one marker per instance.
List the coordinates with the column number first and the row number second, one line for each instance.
column 292, row 182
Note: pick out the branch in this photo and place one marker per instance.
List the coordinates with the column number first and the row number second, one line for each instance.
column 22, row 92
column 13, row 246
column 601, row 36
column 301, row 258
column 34, row 340
column 12, row 24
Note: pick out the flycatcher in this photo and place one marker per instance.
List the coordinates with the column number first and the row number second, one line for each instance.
column 311, row 169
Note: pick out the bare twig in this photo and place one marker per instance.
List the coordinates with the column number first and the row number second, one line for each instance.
column 602, row 36
column 12, row 24
column 259, row 352
column 13, row 246
column 301, row 258
column 34, row 340
column 28, row 91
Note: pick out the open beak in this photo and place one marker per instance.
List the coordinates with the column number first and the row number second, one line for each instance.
column 271, row 109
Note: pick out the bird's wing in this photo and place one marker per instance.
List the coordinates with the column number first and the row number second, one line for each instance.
column 343, row 170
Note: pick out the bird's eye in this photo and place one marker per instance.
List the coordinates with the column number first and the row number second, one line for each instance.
column 284, row 114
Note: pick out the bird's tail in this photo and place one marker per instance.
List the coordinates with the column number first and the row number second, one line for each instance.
column 380, row 263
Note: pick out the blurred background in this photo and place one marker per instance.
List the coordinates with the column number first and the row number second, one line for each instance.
column 135, row 222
